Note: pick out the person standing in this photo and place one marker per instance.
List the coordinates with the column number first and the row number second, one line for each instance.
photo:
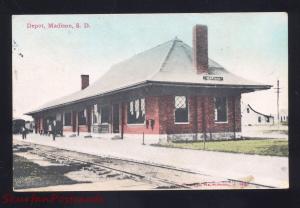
column 24, row 132
column 54, row 130
column 49, row 129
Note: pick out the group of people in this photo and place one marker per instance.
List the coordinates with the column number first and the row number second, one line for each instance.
column 51, row 129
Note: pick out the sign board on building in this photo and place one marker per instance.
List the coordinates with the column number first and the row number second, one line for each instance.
column 208, row 77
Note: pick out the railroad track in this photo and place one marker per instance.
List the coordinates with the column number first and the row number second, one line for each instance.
column 50, row 155
column 115, row 165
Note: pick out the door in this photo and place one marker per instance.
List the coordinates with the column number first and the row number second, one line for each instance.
column 116, row 119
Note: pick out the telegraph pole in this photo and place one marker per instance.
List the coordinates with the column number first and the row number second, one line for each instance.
column 277, row 91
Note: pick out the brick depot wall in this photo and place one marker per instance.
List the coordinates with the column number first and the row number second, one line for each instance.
column 152, row 112
column 68, row 129
column 212, row 126
column 161, row 110
column 167, row 116
column 83, row 128
column 205, row 106
column 38, row 124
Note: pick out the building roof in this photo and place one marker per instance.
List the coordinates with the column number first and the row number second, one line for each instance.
column 170, row 62
column 269, row 116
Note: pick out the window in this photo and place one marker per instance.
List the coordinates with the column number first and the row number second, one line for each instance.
column 58, row 117
column 67, row 119
column 82, row 117
column 181, row 109
column 268, row 119
column 248, row 111
column 136, row 111
column 104, row 112
column 259, row 119
column 220, row 109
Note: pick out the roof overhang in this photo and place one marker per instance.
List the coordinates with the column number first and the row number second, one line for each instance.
column 204, row 85
column 241, row 88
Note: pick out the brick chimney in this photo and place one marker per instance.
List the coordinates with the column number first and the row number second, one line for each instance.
column 84, row 81
column 200, row 49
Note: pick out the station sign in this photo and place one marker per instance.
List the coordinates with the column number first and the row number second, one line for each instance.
column 209, row 77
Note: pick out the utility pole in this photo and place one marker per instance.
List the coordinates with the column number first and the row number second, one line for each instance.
column 277, row 91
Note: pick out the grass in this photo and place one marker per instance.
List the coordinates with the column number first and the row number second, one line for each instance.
column 272, row 147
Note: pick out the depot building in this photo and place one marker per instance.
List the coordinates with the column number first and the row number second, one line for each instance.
column 169, row 92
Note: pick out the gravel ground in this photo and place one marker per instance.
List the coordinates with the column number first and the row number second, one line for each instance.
column 27, row 174
column 43, row 168
column 266, row 170
column 32, row 172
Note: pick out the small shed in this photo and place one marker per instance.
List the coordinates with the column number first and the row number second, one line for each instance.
column 251, row 117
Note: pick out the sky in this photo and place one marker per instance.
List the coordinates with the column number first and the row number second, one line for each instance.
column 48, row 62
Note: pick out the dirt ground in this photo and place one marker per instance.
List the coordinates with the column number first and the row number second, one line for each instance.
column 35, row 169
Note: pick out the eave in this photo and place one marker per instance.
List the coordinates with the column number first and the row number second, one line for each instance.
column 242, row 88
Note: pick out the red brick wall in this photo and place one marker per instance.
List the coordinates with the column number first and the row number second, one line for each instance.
column 83, row 128
column 68, row 129
column 166, row 116
column 161, row 110
column 212, row 126
column 39, row 124
column 151, row 106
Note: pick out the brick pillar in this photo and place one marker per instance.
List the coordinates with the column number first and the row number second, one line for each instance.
column 41, row 124
column 238, row 113
column 36, row 123
column 88, row 117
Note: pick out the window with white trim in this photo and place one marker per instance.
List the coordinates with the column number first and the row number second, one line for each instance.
column 136, row 111
column 181, row 109
column 220, row 109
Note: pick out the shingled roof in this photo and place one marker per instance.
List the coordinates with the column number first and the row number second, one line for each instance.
column 170, row 62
